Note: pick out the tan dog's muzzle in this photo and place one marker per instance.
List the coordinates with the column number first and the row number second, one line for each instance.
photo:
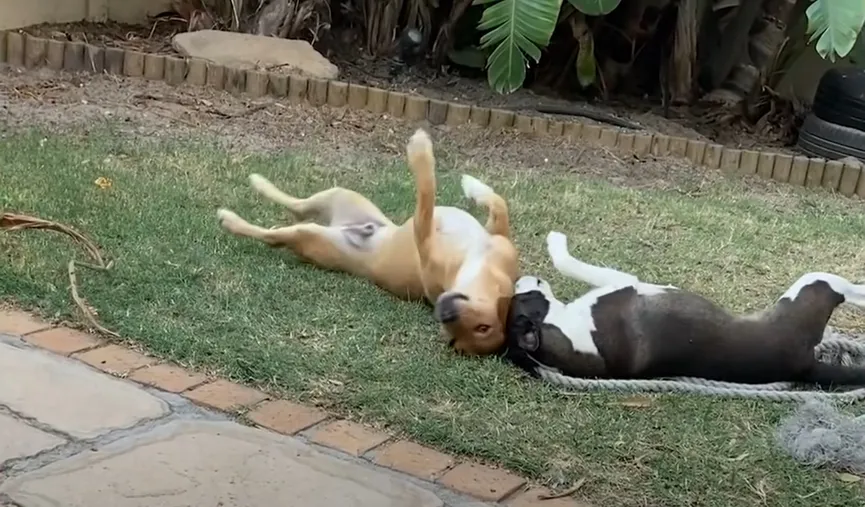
column 446, row 308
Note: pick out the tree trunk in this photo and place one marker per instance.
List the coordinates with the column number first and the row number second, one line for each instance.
column 381, row 18
column 444, row 39
column 747, row 75
column 684, row 54
column 734, row 40
column 766, row 44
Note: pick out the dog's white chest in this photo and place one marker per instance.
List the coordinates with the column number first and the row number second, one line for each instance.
column 463, row 232
column 576, row 322
column 460, row 229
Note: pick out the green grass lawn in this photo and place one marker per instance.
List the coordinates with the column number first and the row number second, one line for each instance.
column 185, row 290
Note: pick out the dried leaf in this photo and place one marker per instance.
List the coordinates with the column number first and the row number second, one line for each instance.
column 103, row 182
column 635, row 402
column 845, row 477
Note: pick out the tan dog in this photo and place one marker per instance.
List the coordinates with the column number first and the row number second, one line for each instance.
column 442, row 254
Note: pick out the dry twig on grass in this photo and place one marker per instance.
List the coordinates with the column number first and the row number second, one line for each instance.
column 568, row 492
column 14, row 222
column 197, row 105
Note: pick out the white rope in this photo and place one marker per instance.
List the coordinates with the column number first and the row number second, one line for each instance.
column 842, row 351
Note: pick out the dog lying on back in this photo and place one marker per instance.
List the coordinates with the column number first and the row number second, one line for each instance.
column 627, row 329
column 440, row 254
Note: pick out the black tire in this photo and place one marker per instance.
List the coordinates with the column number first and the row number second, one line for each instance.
column 819, row 138
column 840, row 98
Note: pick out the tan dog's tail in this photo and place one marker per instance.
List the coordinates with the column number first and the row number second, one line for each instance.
column 422, row 163
column 498, row 222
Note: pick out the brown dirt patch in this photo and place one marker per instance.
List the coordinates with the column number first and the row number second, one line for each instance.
column 59, row 100
column 147, row 108
column 155, row 38
column 359, row 68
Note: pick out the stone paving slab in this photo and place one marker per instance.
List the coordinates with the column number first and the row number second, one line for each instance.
column 67, row 395
column 17, row 439
column 187, row 463
column 156, row 441
column 19, row 323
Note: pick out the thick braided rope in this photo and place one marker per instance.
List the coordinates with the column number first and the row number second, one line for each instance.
column 831, row 350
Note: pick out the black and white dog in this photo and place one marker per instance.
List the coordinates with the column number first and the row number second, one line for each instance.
column 627, row 329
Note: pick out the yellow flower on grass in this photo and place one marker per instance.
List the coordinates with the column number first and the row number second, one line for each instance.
column 103, row 182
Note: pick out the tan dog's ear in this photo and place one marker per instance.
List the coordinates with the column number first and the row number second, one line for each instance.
column 503, row 307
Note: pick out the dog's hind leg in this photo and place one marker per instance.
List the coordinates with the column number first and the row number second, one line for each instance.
column 596, row 276
column 809, row 282
column 809, row 303
column 326, row 247
column 498, row 222
column 829, row 376
column 334, row 206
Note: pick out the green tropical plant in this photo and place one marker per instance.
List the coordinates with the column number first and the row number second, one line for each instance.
column 835, row 25
column 517, row 30
column 587, row 66
column 595, row 7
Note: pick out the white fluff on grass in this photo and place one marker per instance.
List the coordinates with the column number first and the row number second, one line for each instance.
column 818, row 434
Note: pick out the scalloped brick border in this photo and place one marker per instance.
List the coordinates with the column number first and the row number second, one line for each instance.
column 259, row 409
column 24, row 50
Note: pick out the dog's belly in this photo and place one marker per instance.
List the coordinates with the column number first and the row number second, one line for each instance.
column 458, row 229
column 398, row 271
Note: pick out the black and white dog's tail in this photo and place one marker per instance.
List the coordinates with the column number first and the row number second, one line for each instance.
column 833, row 375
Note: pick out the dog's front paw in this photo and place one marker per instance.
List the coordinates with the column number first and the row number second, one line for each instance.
column 557, row 244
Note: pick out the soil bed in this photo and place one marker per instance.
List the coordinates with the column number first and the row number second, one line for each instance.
column 358, row 68
column 155, row 38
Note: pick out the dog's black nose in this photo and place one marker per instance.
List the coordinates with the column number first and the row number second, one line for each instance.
column 446, row 310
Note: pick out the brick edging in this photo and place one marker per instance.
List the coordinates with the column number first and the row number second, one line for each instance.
column 20, row 49
column 257, row 408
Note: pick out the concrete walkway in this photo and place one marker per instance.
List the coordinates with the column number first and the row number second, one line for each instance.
column 75, row 437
